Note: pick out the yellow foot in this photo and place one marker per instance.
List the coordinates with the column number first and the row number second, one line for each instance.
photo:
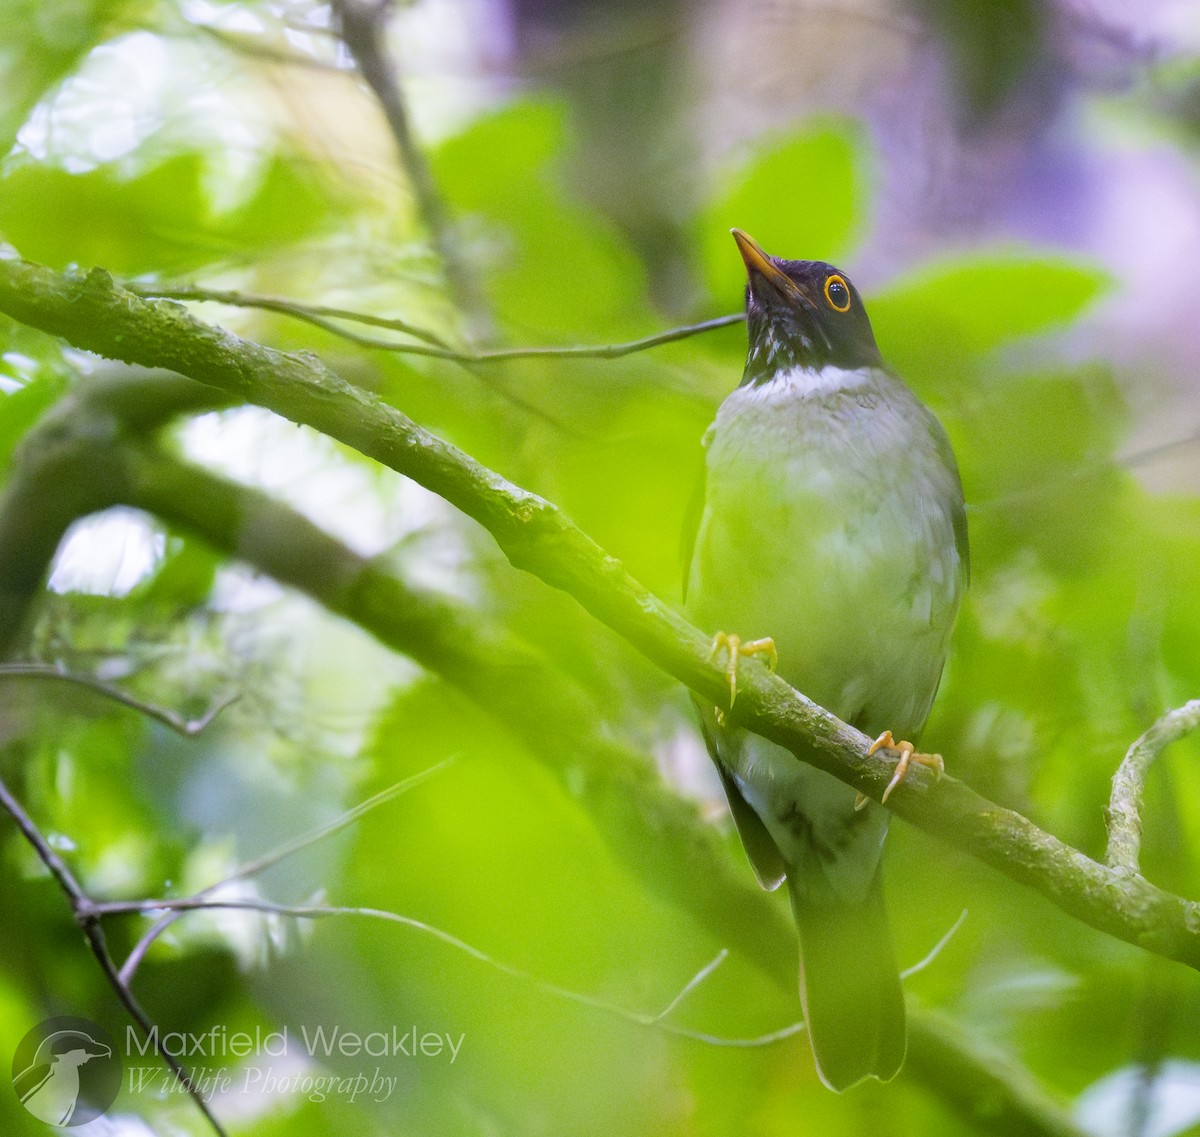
column 735, row 648
column 908, row 755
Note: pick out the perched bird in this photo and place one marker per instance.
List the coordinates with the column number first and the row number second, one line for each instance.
column 833, row 529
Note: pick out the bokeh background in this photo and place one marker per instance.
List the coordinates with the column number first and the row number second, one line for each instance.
column 1013, row 185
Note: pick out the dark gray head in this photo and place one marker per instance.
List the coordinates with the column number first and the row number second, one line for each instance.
column 801, row 314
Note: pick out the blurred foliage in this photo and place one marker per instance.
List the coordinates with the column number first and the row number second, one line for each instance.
column 1080, row 628
column 803, row 192
column 43, row 43
column 995, row 44
column 158, row 220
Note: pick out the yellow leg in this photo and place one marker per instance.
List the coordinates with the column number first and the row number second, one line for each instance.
column 735, row 648
column 908, row 755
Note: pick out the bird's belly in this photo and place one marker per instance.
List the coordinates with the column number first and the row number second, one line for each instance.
column 857, row 596
column 829, row 525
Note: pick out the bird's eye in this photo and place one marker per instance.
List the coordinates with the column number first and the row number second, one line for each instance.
column 837, row 293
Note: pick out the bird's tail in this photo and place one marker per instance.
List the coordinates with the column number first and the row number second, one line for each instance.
column 849, row 986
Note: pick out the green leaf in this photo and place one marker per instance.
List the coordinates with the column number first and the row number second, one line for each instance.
column 973, row 305
column 550, row 265
column 21, row 408
column 158, row 220
column 183, row 578
column 800, row 198
column 128, row 225
column 290, row 202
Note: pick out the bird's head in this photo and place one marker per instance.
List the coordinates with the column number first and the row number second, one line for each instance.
column 801, row 314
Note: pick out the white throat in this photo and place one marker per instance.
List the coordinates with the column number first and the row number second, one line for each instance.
column 807, row 383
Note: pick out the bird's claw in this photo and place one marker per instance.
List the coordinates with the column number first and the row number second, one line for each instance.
column 908, row 755
column 735, row 648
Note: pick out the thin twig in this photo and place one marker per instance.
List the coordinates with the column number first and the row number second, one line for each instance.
column 204, row 899
column 692, row 984
column 611, row 350
column 319, row 314
column 937, row 948
column 434, row 348
column 362, row 25
column 82, row 909
column 186, row 727
column 267, row 860
column 255, row 49
column 53, row 862
column 320, row 911
column 323, row 317
column 537, row 536
column 200, row 902
column 343, row 821
column 1124, row 814
column 134, row 959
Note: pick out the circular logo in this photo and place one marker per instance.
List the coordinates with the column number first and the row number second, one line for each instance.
column 67, row 1071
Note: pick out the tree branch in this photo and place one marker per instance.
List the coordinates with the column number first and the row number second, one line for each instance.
column 659, row 838
column 88, row 454
column 362, row 24
column 982, row 1083
column 324, row 317
column 92, row 313
column 89, row 922
column 320, row 315
column 176, row 722
column 1124, row 813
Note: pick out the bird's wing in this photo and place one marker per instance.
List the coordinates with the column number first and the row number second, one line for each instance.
column 764, row 855
column 691, row 523
column 958, row 509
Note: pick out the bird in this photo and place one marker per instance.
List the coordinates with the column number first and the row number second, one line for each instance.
column 831, row 533
column 49, row 1086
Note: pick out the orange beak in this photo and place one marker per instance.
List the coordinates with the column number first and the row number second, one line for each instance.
column 758, row 262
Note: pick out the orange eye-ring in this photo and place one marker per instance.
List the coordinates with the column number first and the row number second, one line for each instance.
column 837, row 292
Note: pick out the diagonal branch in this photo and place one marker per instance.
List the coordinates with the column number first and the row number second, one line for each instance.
column 92, row 313
column 659, row 838
column 69, row 462
column 78, row 470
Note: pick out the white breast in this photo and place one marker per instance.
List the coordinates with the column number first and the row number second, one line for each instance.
column 829, row 526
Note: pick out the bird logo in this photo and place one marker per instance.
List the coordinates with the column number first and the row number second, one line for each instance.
column 66, row 1071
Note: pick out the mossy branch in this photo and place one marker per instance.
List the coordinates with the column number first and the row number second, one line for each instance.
column 91, row 312
column 661, row 840
column 1124, row 815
